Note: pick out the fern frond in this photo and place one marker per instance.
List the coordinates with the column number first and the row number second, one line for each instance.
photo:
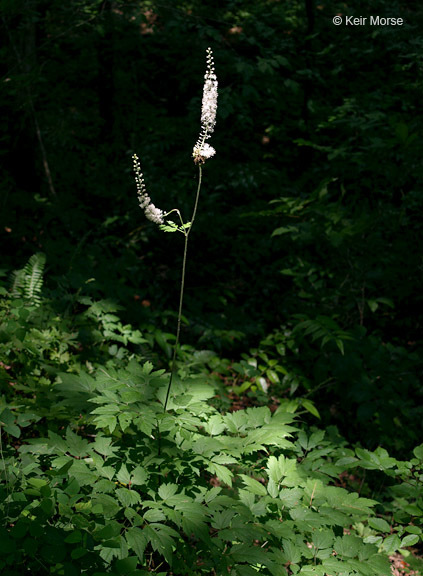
column 34, row 270
column 17, row 283
column 27, row 282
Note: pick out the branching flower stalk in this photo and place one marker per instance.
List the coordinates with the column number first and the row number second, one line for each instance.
column 202, row 151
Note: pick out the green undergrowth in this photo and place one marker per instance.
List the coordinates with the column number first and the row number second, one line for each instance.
column 97, row 479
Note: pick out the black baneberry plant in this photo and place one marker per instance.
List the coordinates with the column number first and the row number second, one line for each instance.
column 201, row 152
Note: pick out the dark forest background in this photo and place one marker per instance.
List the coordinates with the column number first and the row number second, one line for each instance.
column 305, row 265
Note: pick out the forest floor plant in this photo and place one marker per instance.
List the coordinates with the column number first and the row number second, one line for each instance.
column 201, row 152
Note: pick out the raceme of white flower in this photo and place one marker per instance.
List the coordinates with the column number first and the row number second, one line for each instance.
column 209, row 104
column 203, row 151
column 151, row 212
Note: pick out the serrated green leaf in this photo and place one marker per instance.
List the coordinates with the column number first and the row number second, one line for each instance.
column 212, row 494
column 109, row 505
column 380, row 565
column 310, row 407
column 37, row 482
column 108, row 532
column 377, row 460
column 139, row 476
column 103, row 445
column 125, row 419
column 194, row 519
column 291, row 552
column 167, row 490
column 106, row 421
column 418, row 452
column 377, row 540
column 83, row 474
column 222, row 519
column 413, row 529
column 154, row 516
column 272, row 488
column 290, row 497
column 391, row 544
column 13, row 430
column 77, row 446
column 161, row 538
column 273, row 376
column 303, row 440
column 282, row 467
column 323, row 539
column 380, row 525
column 215, row 425
column 340, row 345
column 315, row 439
column 123, row 475
column 253, row 485
column 147, row 422
column 128, row 497
column 348, row 546
column 223, row 473
column 409, row 540
column 137, row 541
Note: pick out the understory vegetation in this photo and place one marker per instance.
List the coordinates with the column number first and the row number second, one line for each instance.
column 290, row 439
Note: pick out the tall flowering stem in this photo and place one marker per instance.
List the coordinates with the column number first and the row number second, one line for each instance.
column 181, row 294
column 202, row 151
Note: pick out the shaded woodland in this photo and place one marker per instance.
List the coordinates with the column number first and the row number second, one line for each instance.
column 298, row 383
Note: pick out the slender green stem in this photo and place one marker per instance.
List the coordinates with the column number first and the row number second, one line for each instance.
column 179, row 214
column 200, row 175
column 181, row 296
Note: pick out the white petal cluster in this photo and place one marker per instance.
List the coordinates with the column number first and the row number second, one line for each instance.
column 151, row 212
column 201, row 150
column 209, row 104
column 205, row 152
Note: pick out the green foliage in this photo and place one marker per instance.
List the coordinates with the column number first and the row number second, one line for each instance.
column 27, row 282
column 120, row 504
column 335, row 257
column 126, row 487
column 48, row 354
column 121, row 500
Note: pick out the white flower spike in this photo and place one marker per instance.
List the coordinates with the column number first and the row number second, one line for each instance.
column 150, row 211
column 203, row 151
